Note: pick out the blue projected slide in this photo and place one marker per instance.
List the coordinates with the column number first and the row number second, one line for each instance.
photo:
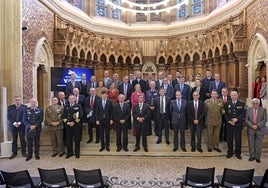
column 61, row 76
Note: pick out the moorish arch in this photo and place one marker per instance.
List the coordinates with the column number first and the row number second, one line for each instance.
column 257, row 56
column 43, row 61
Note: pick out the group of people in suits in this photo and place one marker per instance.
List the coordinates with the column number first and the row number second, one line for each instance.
column 168, row 103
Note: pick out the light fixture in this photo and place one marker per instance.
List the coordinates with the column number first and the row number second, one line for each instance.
column 142, row 6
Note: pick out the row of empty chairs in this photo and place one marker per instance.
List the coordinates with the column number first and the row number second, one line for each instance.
column 54, row 178
column 230, row 178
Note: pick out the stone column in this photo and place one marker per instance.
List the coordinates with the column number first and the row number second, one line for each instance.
column 11, row 48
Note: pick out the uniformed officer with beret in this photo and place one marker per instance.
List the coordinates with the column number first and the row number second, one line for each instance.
column 32, row 119
column 53, row 121
column 72, row 115
column 234, row 115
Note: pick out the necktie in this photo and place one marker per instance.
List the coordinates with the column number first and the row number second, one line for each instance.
column 179, row 105
column 125, row 90
column 224, row 99
column 73, row 84
column 162, row 105
column 195, row 110
column 217, row 84
column 103, row 103
column 255, row 116
column 234, row 103
column 121, row 105
column 17, row 113
column 140, row 105
column 181, row 87
column 91, row 102
column 84, row 82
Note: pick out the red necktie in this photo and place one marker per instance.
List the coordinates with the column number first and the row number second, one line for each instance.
column 254, row 116
column 91, row 102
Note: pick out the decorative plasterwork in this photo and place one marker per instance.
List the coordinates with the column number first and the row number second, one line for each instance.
column 147, row 30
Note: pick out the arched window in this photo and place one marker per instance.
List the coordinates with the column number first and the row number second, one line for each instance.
column 197, row 7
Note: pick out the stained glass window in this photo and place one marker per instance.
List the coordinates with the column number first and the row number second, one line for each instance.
column 182, row 11
column 78, row 4
column 197, row 7
column 101, row 9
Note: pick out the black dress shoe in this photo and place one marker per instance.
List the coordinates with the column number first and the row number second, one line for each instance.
column 192, row 150
column 136, row 149
column 37, row 157
column 28, row 158
column 96, row 142
column 158, row 141
column 125, row 149
column 251, row 159
column 77, row 156
column 13, row 156
column 146, row 149
column 217, row 149
column 200, row 150
column 89, row 141
column 228, row 156
column 24, row 154
column 258, row 160
column 239, row 157
column 183, row 149
column 54, row 155
column 68, row 156
column 101, row 149
column 209, row 150
column 118, row 149
column 107, row 149
column 60, row 155
column 175, row 149
column 167, row 142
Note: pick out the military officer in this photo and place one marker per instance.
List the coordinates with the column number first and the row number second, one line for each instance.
column 234, row 115
column 32, row 119
column 72, row 115
column 53, row 121
column 214, row 109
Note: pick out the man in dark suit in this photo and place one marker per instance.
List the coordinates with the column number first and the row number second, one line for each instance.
column 178, row 110
column 92, row 82
column 159, row 81
column 161, row 107
column 116, row 80
column 107, row 80
column 200, row 89
column 62, row 100
column 183, row 88
column 206, row 83
column 104, row 119
column 216, row 84
column 72, row 115
column 149, row 79
column 90, row 114
column 121, row 117
column 176, row 80
column 32, row 119
column 126, row 89
column 16, row 126
column 168, row 89
column 196, row 114
column 256, row 117
column 85, row 85
column 140, row 81
column 223, row 131
column 234, row 115
column 71, row 85
column 140, row 114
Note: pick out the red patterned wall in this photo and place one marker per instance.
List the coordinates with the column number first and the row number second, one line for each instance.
column 40, row 22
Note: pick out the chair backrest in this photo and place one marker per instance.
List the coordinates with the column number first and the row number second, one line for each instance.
column 240, row 178
column 86, row 178
column 264, row 182
column 54, row 177
column 199, row 177
column 17, row 179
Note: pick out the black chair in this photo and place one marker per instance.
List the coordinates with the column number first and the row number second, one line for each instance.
column 261, row 181
column 195, row 177
column 55, row 178
column 236, row 178
column 90, row 178
column 2, row 182
column 20, row 179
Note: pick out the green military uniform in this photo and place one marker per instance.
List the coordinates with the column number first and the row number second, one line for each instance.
column 213, row 120
column 53, row 114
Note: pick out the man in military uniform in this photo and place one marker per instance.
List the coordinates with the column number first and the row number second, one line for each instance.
column 214, row 109
column 234, row 115
column 72, row 115
column 32, row 119
column 53, row 121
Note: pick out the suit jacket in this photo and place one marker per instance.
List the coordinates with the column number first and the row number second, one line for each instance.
column 93, row 84
column 12, row 116
column 69, row 87
column 105, row 114
column 81, row 100
column 212, row 86
column 84, row 88
column 235, row 111
column 206, row 83
column 119, row 114
column 129, row 90
column 214, row 112
column 178, row 117
column 202, row 93
column 142, row 84
column 33, row 117
column 65, row 102
column 151, row 96
column 263, row 91
column 186, row 92
column 261, row 120
column 200, row 112
column 175, row 82
column 109, row 81
column 157, row 107
column 158, row 84
column 88, row 109
column 143, row 113
column 169, row 91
